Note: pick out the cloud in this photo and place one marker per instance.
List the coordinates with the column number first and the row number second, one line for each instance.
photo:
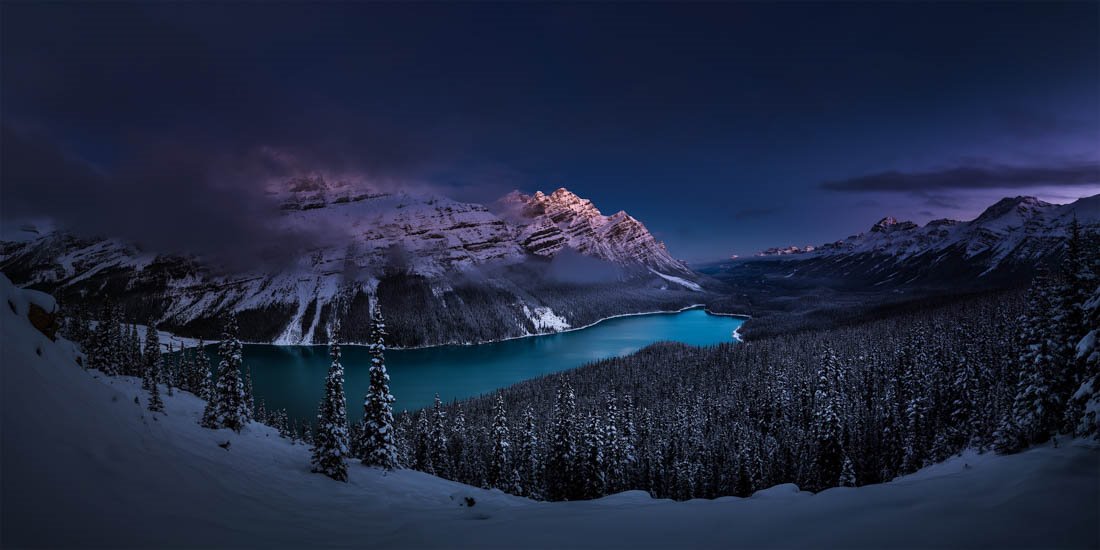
column 570, row 266
column 976, row 176
column 170, row 199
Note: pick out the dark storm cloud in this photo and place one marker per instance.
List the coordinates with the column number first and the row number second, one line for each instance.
column 973, row 177
column 173, row 199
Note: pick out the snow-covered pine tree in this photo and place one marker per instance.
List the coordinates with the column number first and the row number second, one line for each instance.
column 964, row 392
column 184, row 368
column 527, row 461
column 100, row 350
column 1083, row 415
column 1079, row 282
column 249, row 398
column 330, row 441
column 847, row 474
column 208, row 393
column 828, row 460
column 915, row 370
column 282, row 423
column 133, row 352
column 422, row 444
column 200, row 368
column 615, row 454
column 230, row 409
column 378, row 445
column 561, row 461
column 151, row 357
column 463, row 467
column 594, row 463
column 437, row 440
column 305, row 432
column 404, row 435
column 261, row 413
column 169, row 368
column 150, row 379
column 117, row 347
column 1035, row 410
column 500, row 465
column 355, row 439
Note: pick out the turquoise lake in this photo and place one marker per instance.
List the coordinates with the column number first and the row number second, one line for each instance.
column 292, row 377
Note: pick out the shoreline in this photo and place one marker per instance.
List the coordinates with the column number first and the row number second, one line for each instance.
column 736, row 332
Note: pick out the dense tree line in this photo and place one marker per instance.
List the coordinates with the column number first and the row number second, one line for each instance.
column 850, row 405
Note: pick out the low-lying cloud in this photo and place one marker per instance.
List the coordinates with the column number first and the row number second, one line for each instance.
column 987, row 176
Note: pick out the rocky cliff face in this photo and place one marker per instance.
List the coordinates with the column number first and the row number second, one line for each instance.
column 469, row 274
column 549, row 223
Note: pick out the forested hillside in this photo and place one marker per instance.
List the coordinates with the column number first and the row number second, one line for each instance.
column 846, row 406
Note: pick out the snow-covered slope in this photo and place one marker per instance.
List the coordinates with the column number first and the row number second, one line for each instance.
column 1015, row 234
column 438, row 243
column 85, row 464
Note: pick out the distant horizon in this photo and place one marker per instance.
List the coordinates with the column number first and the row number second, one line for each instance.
column 16, row 230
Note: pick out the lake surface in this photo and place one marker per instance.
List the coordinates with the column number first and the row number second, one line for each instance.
column 292, row 377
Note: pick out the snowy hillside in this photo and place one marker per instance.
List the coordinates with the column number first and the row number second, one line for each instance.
column 1013, row 235
column 425, row 248
column 85, row 464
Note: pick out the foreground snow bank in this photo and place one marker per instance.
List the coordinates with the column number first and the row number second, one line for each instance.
column 84, row 465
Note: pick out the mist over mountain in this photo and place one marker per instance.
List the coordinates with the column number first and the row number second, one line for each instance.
column 503, row 274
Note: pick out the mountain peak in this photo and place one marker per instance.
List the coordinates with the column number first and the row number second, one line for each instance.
column 1025, row 206
column 552, row 222
column 889, row 223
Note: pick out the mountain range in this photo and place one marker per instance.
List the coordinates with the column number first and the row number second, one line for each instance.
column 444, row 271
column 1007, row 241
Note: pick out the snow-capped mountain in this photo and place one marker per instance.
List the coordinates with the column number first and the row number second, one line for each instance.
column 549, row 223
column 1013, row 236
column 473, row 275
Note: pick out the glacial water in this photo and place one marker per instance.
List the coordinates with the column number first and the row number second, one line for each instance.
column 292, row 377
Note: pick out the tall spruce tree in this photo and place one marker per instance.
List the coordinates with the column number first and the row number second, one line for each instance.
column 151, row 356
column 133, row 352
column 561, row 461
column 330, row 441
column 437, row 440
column 500, row 465
column 527, row 460
column 829, row 453
column 230, row 408
column 101, row 350
column 378, row 445
column 1033, row 413
column 156, row 404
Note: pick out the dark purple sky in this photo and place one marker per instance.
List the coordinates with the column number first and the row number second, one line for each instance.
column 726, row 128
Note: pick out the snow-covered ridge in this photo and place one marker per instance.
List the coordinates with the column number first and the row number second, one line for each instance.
column 547, row 224
column 1016, row 229
column 1001, row 227
column 124, row 477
